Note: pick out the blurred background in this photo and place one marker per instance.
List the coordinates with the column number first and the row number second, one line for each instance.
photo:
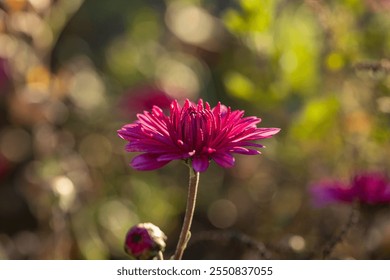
column 72, row 72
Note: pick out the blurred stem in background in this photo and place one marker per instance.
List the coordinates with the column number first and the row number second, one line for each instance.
column 353, row 218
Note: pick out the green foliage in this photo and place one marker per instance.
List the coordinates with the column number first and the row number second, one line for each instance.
column 317, row 121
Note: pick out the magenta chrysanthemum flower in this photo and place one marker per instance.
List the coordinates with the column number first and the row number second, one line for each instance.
column 193, row 132
column 366, row 188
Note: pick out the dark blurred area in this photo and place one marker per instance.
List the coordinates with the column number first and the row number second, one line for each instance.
column 72, row 72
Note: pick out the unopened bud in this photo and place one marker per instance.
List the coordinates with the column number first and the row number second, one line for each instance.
column 145, row 241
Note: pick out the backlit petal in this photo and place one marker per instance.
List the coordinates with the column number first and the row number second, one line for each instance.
column 244, row 151
column 223, row 159
column 200, row 164
column 146, row 162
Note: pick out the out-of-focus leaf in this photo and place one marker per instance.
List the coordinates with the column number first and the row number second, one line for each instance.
column 317, row 120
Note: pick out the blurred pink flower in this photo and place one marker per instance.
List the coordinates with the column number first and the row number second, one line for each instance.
column 144, row 241
column 192, row 132
column 366, row 188
column 144, row 98
column 4, row 75
column 5, row 167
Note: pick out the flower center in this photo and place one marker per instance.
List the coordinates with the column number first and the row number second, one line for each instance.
column 195, row 128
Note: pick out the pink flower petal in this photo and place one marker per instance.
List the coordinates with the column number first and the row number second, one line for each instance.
column 223, row 159
column 200, row 164
column 146, row 162
column 169, row 157
column 244, row 151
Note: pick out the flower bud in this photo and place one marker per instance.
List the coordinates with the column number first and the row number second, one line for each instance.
column 144, row 241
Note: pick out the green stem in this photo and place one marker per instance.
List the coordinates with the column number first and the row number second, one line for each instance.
column 185, row 233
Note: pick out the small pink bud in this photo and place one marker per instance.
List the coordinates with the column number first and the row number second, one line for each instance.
column 144, row 241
